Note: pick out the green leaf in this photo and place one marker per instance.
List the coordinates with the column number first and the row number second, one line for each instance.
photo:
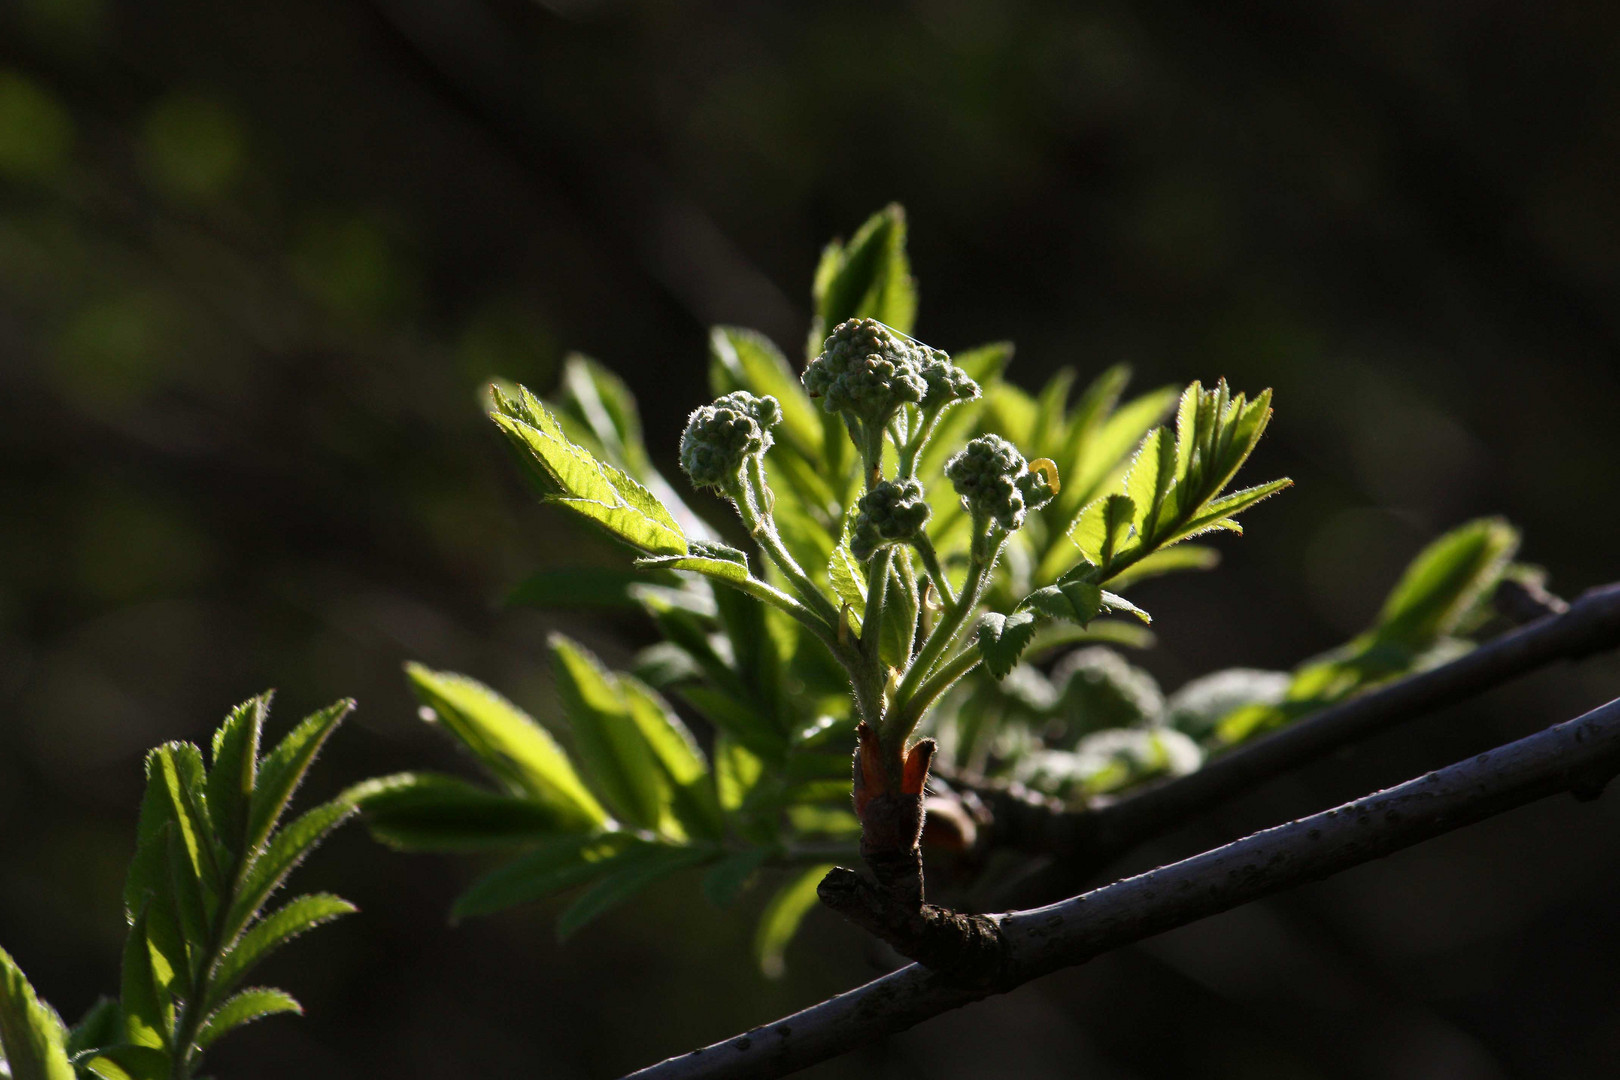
column 235, row 770
column 848, row 581
column 736, row 771
column 31, row 1034
column 287, row 849
column 245, row 1007
column 602, row 402
column 571, row 477
column 748, row 360
column 177, row 769
column 631, row 872
column 1106, row 452
column 1114, row 602
column 1219, row 510
column 583, row 587
column 430, row 812
column 1002, row 638
column 1077, row 601
column 284, row 767
column 101, row 1025
column 1118, row 513
column 723, row 884
column 609, row 742
column 272, row 932
column 695, row 802
column 1187, row 427
column 1445, row 580
column 146, row 1016
column 550, row 868
column 985, row 363
column 515, row 749
column 781, row 919
column 869, row 277
column 1090, row 531
column 128, row 1062
column 900, row 609
column 738, row 719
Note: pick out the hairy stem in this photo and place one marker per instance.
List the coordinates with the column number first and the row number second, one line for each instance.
column 761, row 526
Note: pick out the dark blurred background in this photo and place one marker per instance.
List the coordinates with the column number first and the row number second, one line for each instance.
column 256, row 258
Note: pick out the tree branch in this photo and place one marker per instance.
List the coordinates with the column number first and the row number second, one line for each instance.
column 1579, row 756
column 1087, row 839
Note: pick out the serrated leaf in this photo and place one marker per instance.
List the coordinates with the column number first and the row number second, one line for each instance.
column 631, row 872
column 235, row 769
column 284, row 767
column 1228, row 505
column 286, row 850
column 550, row 868
column 695, row 801
column 430, row 812
column 869, row 277
column 1090, row 531
column 1077, row 601
column 609, row 743
column 31, row 1035
column 245, row 1007
column 570, row 476
column 583, row 587
column 848, row 581
column 1115, row 602
column 1152, row 473
column 726, row 881
column 271, row 933
column 507, row 742
column 747, row 360
column 781, row 919
column 1187, row 427
column 1002, row 638
column 1117, row 514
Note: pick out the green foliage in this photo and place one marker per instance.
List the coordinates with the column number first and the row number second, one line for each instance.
column 33, row 1042
column 1096, row 724
column 1443, row 593
column 921, row 540
column 208, row 856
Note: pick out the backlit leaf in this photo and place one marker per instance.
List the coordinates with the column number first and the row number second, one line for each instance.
column 781, row 919
column 508, row 743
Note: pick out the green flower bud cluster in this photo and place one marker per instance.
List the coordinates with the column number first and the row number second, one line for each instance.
column 720, row 438
column 892, row 512
column 996, row 482
column 947, row 383
column 866, row 372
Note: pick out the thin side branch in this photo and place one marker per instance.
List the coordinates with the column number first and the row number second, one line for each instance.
column 1580, row 756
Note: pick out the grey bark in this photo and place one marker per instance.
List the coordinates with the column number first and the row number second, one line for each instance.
column 1580, row 756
